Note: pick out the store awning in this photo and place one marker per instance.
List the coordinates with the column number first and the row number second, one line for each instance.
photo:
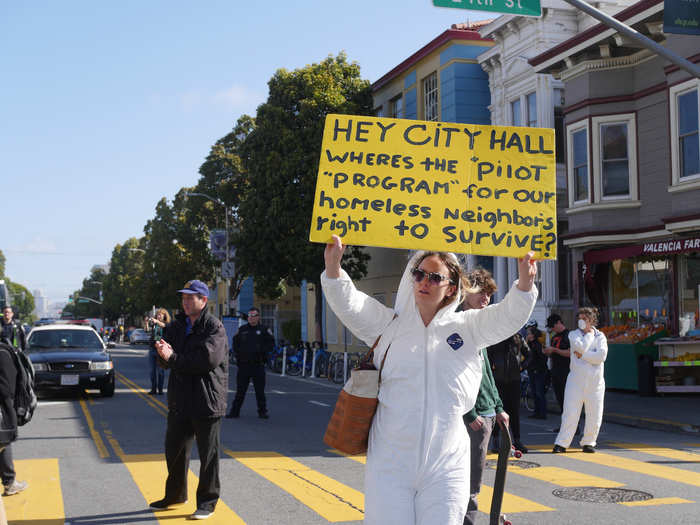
column 656, row 248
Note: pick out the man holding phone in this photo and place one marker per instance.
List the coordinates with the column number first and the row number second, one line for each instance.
column 195, row 349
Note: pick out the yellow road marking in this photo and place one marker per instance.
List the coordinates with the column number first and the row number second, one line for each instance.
column 563, row 477
column 149, row 472
column 360, row 458
column 42, row 501
column 655, row 501
column 511, row 502
column 670, row 453
column 650, row 420
column 101, row 448
column 640, row 467
column 327, row 497
column 158, row 405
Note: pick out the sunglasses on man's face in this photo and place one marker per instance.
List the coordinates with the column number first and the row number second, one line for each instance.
column 433, row 277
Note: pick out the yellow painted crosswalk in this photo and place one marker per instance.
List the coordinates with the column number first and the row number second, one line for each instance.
column 529, row 487
column 42, row 501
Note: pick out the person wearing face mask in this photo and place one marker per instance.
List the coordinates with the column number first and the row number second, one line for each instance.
column 585, row 385
column 418, row 458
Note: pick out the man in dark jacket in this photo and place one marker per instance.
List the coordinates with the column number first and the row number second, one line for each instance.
column 11, row 330
column 195, row 349
column 506, row 358
column 251, row 345
column 559, row 351
column 8, row 425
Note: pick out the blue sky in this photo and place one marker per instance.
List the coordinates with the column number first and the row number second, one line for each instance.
column 109, row 106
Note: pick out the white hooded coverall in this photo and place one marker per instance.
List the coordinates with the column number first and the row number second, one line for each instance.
column 585, row 385
column 417, row 468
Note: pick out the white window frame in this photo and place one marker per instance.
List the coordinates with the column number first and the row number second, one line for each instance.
column 530, row 118
column 582, row 125
column 431, row 96
column 692, row 181
column 512, row 104
column 630, row 120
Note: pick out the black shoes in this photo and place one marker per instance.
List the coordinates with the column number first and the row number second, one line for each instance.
column 519, row 446
column 163, row 504
column 588, row 449
column 558, row 449
column 152, row 393
column 263, row 415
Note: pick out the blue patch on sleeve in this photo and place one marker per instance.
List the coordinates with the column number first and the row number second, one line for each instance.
column 455, row 341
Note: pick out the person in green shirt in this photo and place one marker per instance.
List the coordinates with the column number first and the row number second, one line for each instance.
column 488, row 410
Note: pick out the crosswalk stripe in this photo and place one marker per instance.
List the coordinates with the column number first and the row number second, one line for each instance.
column 563, row 477
column 640, row 467
column 42, row 500
column 360, row 458
column 149, row 472
column 101, row 448
column 327, row 497
column 655, row 501
column 670, row 453
column 511, row 502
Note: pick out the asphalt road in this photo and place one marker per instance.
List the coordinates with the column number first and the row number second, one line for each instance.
column 94, row 460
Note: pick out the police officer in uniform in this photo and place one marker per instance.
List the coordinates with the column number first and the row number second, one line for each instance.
column 251, row 344
column 12, row 331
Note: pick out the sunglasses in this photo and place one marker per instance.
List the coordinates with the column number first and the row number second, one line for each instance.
column 433, row 277
column 253, row 315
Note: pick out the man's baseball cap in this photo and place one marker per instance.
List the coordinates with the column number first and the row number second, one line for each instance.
column 195, row 287
column 552, row 320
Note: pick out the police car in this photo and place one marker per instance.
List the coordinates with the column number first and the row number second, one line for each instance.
column 70, row 356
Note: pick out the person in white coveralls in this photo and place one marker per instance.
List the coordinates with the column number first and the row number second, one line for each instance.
column 585, row 384
column 417, row 468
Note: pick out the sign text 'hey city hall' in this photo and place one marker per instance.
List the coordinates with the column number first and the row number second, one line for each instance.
column 487, row 190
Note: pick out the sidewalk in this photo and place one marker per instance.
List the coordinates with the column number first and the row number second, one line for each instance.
column 671, row 413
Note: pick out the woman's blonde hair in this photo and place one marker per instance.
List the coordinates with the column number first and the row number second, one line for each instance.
column 166, row 315
column 457, row 276
column 590, row 313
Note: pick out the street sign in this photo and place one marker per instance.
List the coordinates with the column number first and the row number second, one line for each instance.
column 681, row 17
column 228, row 270
column 506, row 7
column 83, row 301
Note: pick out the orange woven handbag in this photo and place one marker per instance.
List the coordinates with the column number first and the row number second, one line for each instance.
column 348, row 429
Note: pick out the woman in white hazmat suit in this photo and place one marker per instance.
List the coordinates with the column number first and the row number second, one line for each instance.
column 418, row 457
column 585, row 384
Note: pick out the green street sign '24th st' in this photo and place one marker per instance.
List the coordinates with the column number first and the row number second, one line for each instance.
column 508, row 7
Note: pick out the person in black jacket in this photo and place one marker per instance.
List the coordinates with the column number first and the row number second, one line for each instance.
column 11, row 330
column 195, row 349
column 506, row 358
column 251, row 345
column 537, row 371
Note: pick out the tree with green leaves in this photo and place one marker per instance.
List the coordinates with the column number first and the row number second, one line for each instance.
column 223, row 177
column 174, row 250
column 281, row 156
column 123, row 285
column 22, row 301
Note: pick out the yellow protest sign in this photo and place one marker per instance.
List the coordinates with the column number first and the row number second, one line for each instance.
column 464, row 188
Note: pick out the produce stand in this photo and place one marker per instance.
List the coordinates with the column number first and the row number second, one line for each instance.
column 678, row 365
column 621, row 365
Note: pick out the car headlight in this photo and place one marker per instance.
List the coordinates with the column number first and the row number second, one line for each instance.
column 101, row 365
column 40, row 367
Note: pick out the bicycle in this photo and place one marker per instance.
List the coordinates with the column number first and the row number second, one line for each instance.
column 322, row 358
column 527, row 394
column 336, row 368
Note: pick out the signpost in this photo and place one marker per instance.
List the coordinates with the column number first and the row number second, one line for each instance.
column 506, row 7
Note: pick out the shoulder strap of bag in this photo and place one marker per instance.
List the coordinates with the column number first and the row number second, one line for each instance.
column 366, row 363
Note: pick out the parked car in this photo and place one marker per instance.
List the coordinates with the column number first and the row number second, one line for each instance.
column 70, row 356
column 139, row 337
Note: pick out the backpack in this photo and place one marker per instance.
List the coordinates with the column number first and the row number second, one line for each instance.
column 25, row 397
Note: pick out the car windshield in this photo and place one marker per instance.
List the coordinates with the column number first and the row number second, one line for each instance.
column 63, row 339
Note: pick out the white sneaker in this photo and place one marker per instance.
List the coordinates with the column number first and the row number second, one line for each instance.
column 15, row 487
